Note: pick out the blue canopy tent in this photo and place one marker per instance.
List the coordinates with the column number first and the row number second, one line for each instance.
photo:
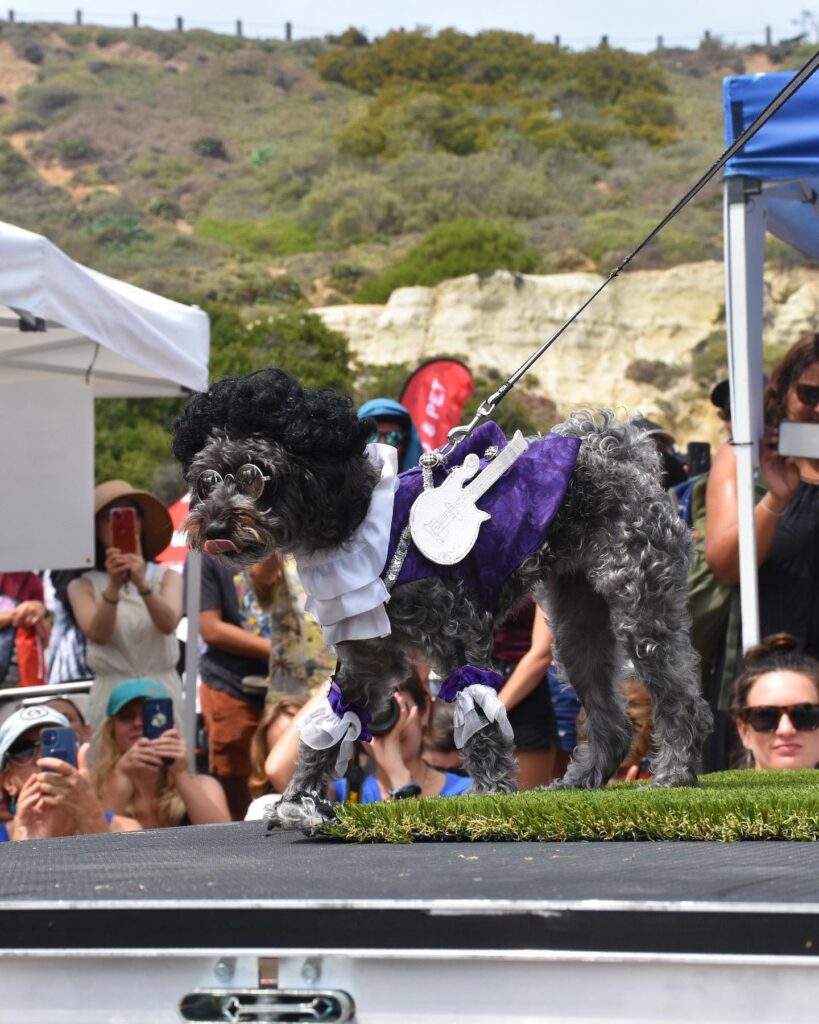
column 771, row 184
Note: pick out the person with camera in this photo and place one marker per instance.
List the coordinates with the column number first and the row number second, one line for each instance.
column 128, row 607
column 395, row 753
column 150, row 778
column 49, row 797
column 787, row 507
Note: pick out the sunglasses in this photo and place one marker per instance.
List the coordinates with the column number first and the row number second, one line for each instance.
column 803, row 717
column 393, row 437
column 808, row 394
column 248, row 480
column 24, row 753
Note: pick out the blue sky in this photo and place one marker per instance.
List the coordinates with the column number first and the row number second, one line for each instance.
column 634, row 24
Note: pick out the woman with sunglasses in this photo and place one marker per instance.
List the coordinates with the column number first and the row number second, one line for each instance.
column 776, row 705
column 787, row 507
column 48, row 797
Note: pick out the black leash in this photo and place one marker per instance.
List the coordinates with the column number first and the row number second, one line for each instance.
column 488, row 406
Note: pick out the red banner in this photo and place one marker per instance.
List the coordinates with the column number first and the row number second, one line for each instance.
column 177, row 551
column 435, row 396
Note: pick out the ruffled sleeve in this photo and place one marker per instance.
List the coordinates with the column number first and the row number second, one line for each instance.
column 345, row 592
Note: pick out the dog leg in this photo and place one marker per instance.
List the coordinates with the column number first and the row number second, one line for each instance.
column 303, row 805
column 668, row 665
column 489, row 761
column 587, row 649
column 653, row 627
column 367, row 673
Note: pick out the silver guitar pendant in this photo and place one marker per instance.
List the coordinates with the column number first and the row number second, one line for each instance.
column 444, row 521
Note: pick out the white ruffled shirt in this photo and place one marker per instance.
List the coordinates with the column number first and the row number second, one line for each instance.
column 345, row 592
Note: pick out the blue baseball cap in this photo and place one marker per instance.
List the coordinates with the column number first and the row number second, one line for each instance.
column 27, row 718
column 130, row 690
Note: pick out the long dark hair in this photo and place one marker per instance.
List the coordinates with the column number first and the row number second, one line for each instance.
column 797, row 359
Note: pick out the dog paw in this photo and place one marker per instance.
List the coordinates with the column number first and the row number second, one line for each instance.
column 305, row 812
column 493, row 788
column 675, row 779
column 577, row 782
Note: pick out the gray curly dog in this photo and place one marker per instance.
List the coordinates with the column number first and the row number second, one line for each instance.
column 610, row 575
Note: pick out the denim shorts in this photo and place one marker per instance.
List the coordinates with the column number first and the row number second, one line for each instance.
column 566, row 706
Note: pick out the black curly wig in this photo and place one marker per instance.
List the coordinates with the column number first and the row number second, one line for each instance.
column 272, row 404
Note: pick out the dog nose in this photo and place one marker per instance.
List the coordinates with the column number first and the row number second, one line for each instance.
column 215, row 529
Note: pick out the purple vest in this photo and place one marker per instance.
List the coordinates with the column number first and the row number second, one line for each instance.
column 522, row 503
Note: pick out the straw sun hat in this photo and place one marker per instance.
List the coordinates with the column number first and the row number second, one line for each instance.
column 157, row 528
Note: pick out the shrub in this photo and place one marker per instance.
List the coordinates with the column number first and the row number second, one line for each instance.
column 211, row 147
column 452, row 250
column 652, row 371
column 47, row 100
column 346, row 276
column 353, row 208
column 362, row 138
column 263, row 154
column 165, row 207
column 77, row 151
column 276, row 236
column 33, row 53
column 15, row 171
column 296, row 340
column 117, row 231
column 709, row 359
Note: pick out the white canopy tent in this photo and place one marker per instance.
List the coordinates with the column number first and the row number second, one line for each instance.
column 771, row 184
column 68, row 335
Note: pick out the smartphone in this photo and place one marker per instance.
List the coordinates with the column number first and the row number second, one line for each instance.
column 60, row 743
column 698, row 458
column 157, row 716
column 123, row 530
column 799, row 439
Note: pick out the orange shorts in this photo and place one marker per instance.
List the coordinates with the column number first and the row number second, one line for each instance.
column 230, row 724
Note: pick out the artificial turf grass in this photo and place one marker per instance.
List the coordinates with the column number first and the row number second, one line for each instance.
column 728, row 806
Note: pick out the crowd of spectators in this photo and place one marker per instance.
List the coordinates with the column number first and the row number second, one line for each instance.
column 263, row 665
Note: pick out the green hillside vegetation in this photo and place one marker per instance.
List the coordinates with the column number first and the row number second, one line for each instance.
column 265, row 177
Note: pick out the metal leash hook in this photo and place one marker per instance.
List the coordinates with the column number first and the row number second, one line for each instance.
column 485, row 410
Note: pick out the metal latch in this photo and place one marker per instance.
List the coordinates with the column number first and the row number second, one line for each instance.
column 266, row 1005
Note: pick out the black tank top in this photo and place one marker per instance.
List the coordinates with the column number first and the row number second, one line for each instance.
column 789, row 577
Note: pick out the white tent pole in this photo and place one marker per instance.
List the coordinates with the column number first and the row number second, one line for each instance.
column 193, row 567
column 744, row 284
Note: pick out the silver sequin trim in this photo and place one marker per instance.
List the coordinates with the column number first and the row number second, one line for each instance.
column 395, row 566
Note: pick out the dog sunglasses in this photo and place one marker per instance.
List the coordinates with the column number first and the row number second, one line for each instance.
column 248, row 480
column 808, row 394
column 803, row 717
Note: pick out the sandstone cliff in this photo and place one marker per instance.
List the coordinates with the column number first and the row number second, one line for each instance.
column 498, row 320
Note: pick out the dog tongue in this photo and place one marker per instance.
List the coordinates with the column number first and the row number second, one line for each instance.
column 219, row 547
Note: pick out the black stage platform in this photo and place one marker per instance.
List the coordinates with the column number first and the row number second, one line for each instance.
column 224, row 886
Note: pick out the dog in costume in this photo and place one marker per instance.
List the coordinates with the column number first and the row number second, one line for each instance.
column 431, row 560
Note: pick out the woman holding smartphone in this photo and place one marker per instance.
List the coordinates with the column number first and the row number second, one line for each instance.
column 148, row 778
column 787, row 506
column 127, row 607
column 49, row 796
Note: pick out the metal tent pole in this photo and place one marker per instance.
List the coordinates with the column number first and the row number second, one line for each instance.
column 744, row 278
column 193, row 595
